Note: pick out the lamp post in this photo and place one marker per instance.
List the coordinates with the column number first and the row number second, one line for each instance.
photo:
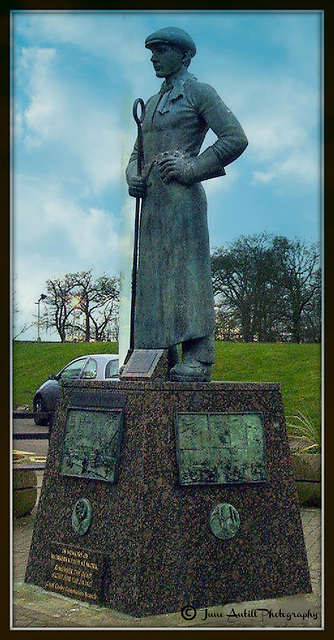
column 42, row 297
column 75, row 301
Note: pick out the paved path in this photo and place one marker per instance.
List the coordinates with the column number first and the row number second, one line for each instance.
column 35, row 608
column 39, row 447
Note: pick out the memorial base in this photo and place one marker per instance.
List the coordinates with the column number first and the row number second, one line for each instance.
column 130, row 530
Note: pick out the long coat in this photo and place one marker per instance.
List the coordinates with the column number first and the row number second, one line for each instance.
column 174, row 300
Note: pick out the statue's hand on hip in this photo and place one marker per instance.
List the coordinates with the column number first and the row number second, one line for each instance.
column 176, row 168
column 137, row 187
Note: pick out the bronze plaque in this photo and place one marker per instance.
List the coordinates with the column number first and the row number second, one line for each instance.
column 224, row 521
column 76, row 573
column 142, row 363
column 82, row 514
column 220, row 448
column 92, row 443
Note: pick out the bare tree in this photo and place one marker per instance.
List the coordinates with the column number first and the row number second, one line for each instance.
column 268, row 284
column 300, row 279
column 243, row 275
column 97, row 300
column 82, row 306
column 60, row 293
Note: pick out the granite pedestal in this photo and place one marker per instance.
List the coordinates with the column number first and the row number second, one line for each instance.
column 149, row 546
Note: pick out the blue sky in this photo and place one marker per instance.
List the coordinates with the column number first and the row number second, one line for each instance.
column 75, row 76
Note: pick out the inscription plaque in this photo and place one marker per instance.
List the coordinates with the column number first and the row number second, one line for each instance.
column 142, row 363
column 76, row 573
column 220, row 448
column 92, row 443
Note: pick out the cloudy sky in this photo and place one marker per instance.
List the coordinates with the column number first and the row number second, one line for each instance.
column 75, row 76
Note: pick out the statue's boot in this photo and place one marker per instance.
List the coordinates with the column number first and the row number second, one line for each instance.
column 173, row 357
column 191, row 370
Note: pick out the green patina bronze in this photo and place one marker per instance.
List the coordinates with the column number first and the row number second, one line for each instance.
column 224, row 521
column 174, row 299
column 82, row 516
column 92, row 444
column 220, row 448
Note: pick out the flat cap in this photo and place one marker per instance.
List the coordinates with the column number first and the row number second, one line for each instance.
column 172, row 36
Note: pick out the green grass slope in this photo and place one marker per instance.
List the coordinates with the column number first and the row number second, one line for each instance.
column 296, row 367
column 33, row 363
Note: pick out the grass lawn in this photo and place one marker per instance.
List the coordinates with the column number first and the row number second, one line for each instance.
column 296, row 367
column 33, row 363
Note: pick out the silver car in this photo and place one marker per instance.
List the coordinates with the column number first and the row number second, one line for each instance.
column 92, row 367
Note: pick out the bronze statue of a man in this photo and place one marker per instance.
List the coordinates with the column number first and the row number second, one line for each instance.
column 174, row 300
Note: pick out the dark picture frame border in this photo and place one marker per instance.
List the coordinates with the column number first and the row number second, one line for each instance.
column 327, row 6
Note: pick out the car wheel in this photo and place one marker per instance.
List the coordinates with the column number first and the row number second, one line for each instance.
column 39, row 407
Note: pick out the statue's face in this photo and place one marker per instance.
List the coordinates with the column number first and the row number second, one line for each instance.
column 166, row 60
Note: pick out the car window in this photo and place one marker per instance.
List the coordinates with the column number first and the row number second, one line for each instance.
column 90, row 369
column 112, row 369
column 72, row 370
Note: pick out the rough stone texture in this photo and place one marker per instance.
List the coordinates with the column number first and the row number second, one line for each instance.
column 160, row 553
column 24, row 490
column 35, row 607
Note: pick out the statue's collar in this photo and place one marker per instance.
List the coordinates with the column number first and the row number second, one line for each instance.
column 173, row 92
column 177, row 83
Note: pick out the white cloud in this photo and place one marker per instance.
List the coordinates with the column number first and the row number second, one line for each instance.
column 297, row 166
column 80, row 125
column 49, row 221
column 97, row 143
column 107, row 36
column 78, row 134
column 45, row 98
column 54, row 235
column 302, row 165
column 280, row 114
column 263, row 177
column 218, row 187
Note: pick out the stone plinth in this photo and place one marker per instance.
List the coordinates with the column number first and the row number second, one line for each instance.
column 149, row 547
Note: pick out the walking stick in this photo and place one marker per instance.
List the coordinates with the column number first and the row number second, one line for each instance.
column 139, row 120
